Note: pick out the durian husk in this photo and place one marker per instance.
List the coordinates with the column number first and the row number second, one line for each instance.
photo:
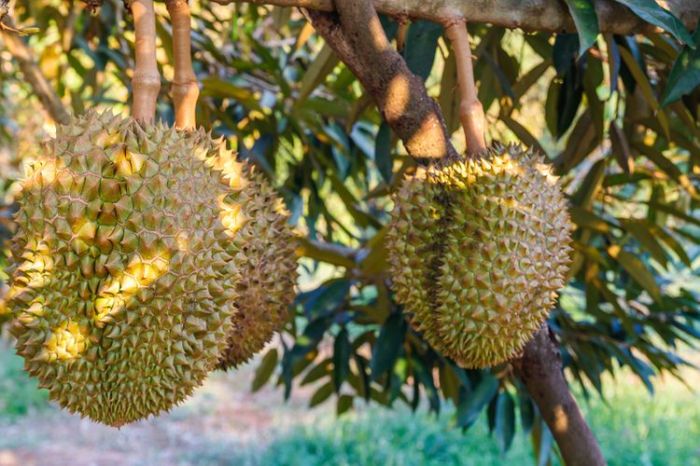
column 265, row 258
column 478, row 249
column 124, row 284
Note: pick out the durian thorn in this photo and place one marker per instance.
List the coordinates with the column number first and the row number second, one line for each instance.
column 146, row 80
column 471, row 112
column 184, row 89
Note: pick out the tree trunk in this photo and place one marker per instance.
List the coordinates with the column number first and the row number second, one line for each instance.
column 541, row 371
column 531, row 15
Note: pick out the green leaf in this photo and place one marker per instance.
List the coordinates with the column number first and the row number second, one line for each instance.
column 421, row 44
column 641, row 230
column 344, row 404
column 217, row 87
column 473, row 403
column 621, row 148
column 505, row 420
column 322, row 66
column 586, row 20
column 641, row 79
column 341, row 358
column 685, row 74
column 637, row 270
column 382, row 152
column 653, row 13
column 587, row 219
column 265, row 369
column 388, row 345
column 322, row 394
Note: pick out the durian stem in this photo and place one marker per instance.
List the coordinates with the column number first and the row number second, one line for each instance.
column 471, row 112
column 146, row 80
column 184, row 89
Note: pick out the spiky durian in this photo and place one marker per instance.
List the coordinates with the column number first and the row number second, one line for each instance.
column 478, row 249
column 125, row 279
column 265, row 258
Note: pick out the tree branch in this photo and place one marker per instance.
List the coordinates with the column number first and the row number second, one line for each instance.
column 531, row 15
column 32, row 74
column 540, row 369
column 357, row 37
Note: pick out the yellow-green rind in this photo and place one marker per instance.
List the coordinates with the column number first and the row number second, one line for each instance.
column 124, row 282
column 477, row 250
column 265, row 258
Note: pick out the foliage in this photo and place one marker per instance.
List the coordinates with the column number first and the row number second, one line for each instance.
column 19, row 394
column 593, row 105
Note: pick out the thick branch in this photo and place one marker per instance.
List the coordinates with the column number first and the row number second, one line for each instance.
column 184, row 89
column 32, row 74
column 146, row 81
column 358, row 39
column 532, row 15
column 540, row 369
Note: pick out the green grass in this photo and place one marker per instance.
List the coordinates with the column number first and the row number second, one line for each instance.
column 19, row 394
column 634, row 430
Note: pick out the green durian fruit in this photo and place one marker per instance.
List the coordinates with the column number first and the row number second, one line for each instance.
column 478, row 249
column 265, row 258
column 125, row 275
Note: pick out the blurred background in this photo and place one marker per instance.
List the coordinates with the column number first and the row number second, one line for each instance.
column 322, row 393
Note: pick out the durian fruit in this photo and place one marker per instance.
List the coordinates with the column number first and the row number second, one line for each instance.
column 124, row 284
column 265, row 258
column 478, row 249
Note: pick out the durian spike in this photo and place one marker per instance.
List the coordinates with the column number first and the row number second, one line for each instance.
column 471, row 112
column 146, row 80
column 184, row 89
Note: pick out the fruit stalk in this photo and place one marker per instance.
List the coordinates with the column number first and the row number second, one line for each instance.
column 184, row 89
column 146, row 80
column 471, row 112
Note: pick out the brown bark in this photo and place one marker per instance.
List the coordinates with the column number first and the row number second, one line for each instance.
column 357, row 37
column 32, row 74
column 184, row 89
column 531, row 15
column 471, row 112
column 146, row 80
column 540, row 369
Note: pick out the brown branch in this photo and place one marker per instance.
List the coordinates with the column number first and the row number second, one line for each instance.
column 357, row 37
column 146, row 80
column 540, row 369
column 533, row 15
column 471, row 112
column 184, row 89
column 32, row 74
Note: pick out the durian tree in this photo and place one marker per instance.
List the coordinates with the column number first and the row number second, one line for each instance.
column 352, row 111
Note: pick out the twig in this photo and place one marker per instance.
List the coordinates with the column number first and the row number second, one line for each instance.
column 146, row 80
column 471, row 112
column 184, row 89
column 32, row 74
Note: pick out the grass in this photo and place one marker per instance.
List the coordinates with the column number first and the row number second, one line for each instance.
column 633, row 428
column 19, row 394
